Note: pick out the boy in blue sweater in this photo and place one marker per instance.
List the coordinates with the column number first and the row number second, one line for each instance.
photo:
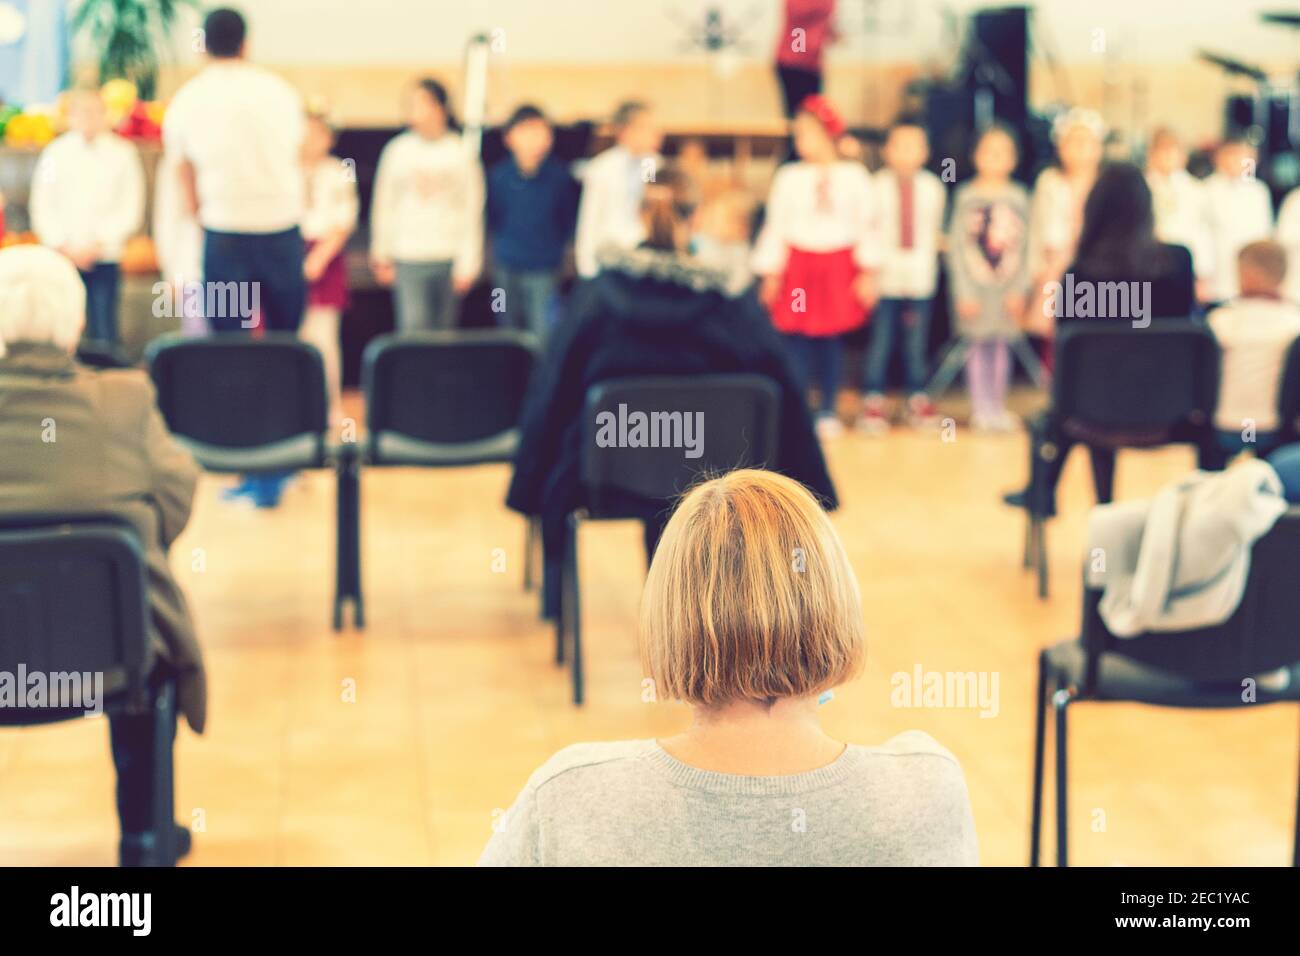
column 532, row 208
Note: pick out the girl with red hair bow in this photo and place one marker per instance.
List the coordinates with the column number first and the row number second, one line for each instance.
column 818, row 253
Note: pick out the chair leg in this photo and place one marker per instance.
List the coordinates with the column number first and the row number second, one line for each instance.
column 347, row 583
column 1030, row 557
column 1061, row 701
column 1040, row 732
column 1040, row 554
column 1295, row 854
column 562, row 614
column 530, row 552
column 572, row 596
column 164, row 784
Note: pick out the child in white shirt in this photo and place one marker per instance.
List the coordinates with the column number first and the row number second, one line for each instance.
column 1056, row 212
column 613, row 184
column 1178, row 199
column 818, row 253
column 329, row 218
column 87, row 199
column 1238, row 209
column 911, row 202
column 1256, row 332
column 1288, row 235
column 426, row 221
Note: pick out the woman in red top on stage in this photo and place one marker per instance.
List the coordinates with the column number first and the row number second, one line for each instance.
column 818, row 253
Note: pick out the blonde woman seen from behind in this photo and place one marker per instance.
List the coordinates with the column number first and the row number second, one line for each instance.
column 750, row 637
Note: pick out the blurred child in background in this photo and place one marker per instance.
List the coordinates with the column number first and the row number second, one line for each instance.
column 1255, row 333
column 721, row 227
column 1179, row 201
column 1057, row 209
column 426, row 219
column 613, row 185
column 1238, row 209
column 531, row 211
column 330, row 211
column 988, row 273
column 818, row 253
column 178, row 245
column 87, row 200
column 911, row 202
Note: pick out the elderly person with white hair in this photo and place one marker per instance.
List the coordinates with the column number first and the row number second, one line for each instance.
column 79, row 440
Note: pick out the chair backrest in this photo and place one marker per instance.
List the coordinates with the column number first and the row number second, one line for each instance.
column 1263, row 633
column 1288, row 394
column 97, row 354
column 72, row 601
column 651, row 438
column 243, row 404
column 447, row 397
column 1112, row 375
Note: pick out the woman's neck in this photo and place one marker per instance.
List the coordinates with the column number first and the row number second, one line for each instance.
column 753, row 739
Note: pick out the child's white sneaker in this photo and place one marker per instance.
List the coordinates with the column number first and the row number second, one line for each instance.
column 1004, row 422
column 874, row 420
column 921, row 412
column 829, row 426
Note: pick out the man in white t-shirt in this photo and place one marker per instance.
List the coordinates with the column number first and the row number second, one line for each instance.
column 237, row 133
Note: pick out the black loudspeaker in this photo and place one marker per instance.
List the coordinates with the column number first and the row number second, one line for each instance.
column 997, row 58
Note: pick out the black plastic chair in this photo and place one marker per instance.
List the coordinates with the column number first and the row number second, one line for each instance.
column 1288, row 398
column 1191, row 669
column 241, row 404
column 741, row 415
column 247, row 405
column 44, row 561
column 437, row 400
column 1116, row 386
column 103, row 355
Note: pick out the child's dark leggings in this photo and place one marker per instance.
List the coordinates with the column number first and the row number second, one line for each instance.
column 817, row 360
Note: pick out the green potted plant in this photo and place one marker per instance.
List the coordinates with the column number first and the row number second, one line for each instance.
column 129, row 36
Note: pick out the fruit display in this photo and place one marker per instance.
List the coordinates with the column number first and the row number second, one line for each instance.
column 128, row 115
column 34, row 127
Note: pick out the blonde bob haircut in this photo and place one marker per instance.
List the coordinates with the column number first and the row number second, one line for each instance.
column 750, row 596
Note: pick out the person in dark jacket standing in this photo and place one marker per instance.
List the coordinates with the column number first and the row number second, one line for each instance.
column 532, row 207
column 649, row 311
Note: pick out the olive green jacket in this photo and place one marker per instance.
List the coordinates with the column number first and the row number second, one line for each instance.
column 73, row 439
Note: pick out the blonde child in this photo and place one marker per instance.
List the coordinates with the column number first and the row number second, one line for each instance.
column 329, row 218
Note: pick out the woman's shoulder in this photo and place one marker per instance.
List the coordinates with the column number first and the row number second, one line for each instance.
column 910, row 743
column 606, row 755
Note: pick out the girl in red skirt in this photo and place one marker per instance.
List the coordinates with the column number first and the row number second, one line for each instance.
column 818, row 253
column 329, row 217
